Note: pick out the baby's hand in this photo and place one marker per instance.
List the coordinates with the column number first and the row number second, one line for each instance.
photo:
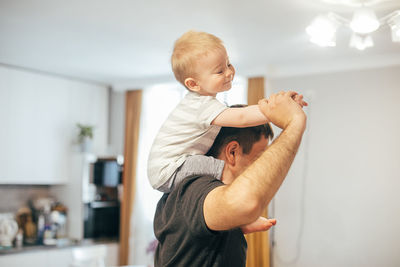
column 299, row 100
column 259, row 225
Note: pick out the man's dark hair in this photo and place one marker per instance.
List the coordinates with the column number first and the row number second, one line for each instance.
column 246, row 137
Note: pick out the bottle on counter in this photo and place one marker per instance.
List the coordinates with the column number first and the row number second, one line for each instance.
column 45, row 227
column 30, row 231
column 58, row 217
column 19, row 239
column 26, row 223
column 40, row 228
column 49, row 236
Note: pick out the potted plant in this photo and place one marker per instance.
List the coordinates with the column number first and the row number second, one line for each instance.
column 85, row 136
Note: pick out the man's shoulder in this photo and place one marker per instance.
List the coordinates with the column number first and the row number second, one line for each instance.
column 201, row 184
column 191, row 190
column 184, row 205
column 185, row 239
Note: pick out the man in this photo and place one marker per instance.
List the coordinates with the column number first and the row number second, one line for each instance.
column 197, row 224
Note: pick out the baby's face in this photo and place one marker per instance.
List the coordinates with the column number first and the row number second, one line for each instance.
column 214, row 73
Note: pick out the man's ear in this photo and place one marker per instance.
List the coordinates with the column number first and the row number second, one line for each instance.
column 192, row 84
column 231, row 152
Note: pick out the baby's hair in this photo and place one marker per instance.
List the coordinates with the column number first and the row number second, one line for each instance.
column 191, row 46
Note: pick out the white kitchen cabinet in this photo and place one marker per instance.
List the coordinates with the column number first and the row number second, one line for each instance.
column 61, row 257
column 38, row 116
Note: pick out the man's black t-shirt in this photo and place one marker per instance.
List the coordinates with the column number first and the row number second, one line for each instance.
column 184, row 238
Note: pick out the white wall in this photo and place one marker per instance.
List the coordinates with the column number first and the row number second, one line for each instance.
column 117, row 123
column 347, row 170
column 38, row 116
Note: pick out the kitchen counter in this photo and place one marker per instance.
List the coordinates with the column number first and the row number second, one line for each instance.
column 60, row 245
column 63, row 255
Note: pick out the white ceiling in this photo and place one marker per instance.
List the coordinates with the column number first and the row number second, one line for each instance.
column 128, row 42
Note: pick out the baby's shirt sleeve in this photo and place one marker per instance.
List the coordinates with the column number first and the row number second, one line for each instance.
column 209, row 110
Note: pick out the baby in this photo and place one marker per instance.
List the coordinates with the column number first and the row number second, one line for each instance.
column 199, row 62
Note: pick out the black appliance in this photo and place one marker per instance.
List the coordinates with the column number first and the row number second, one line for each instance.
column 101, row 219
column 107, row 172
column 102, row 214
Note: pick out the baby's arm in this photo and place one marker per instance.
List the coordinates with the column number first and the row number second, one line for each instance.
column 240, row 117
column 247, row 116
column 259, row 225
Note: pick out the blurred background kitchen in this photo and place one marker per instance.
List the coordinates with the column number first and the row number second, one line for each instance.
column 68, row 215
column 85, row 85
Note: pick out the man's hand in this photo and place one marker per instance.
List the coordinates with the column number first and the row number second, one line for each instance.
column 281, row 109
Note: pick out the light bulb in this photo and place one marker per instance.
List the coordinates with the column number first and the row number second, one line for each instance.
column 395, row 33
column 361, row 41
column 322, row 31
column 364, row 21
column 394, row 23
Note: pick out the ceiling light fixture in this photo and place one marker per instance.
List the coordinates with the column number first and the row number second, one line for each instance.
column 322, row 30
column 394, row 24
column 361, row 41
column 364, row 21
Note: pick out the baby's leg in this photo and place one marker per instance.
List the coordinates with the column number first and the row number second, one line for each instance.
column 198, row 165
column 259, row 225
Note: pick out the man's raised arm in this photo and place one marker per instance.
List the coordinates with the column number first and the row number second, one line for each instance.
column 243, row 201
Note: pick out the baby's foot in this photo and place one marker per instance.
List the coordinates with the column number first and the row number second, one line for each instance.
column 259, row 225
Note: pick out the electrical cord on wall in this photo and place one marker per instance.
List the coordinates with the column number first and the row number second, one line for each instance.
column 296, row 257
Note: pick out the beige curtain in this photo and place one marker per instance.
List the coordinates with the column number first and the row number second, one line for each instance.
column 257, row 243
column 132, row 123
